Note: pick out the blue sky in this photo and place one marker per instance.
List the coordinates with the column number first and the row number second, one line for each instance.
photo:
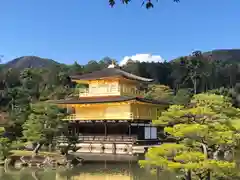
column 75, row 30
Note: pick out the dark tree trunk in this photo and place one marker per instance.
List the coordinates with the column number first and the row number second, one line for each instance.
column 158, row 173
column 195, row 85
column 208, row 175
column 189, row 175
column 204, row 147
column 50, row 147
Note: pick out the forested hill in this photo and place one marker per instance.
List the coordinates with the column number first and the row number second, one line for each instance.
column 225, row 55
column 30, row 61
column 29, row 79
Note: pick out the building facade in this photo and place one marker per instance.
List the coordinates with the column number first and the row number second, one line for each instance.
column 110, row 114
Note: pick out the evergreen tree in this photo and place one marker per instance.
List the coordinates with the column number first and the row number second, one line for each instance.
column 206, row 134
column 42, row 124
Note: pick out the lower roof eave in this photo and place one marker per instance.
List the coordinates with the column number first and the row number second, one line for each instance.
column 101, row 100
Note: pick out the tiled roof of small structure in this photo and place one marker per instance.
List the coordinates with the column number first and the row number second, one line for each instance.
column 109, row 72
column 107, row 99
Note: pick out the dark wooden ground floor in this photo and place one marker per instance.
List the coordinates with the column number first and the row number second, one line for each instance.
column 140, row 132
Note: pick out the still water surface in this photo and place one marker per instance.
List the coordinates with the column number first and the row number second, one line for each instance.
column 100, row 171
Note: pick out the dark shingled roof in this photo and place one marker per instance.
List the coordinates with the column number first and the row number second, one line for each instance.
column 107, row 99
column 109, row 72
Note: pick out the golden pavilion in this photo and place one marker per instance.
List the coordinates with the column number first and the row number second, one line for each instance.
column 110, row 114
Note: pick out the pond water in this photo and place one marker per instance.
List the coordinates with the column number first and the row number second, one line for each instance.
column 100, row 171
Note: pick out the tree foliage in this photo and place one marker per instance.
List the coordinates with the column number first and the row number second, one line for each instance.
column 147, row 3
column 235, row 94
column 206, row 133
column 43, row 123
column 5, row 144
column 182, row 97
column 159, row 92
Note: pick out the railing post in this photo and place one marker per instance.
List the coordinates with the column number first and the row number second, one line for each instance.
column 105, row 128
column 129, row 129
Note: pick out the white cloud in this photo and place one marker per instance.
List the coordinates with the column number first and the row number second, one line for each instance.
column 142, row 58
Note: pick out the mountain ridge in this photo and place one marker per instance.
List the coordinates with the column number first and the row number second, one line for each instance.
column 30, row 62
column 230, row 55
column 226, row 55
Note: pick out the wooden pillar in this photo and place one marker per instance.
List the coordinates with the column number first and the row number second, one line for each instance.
column 74, row 128
column 150, row 131
column 105, row 128
column 70, row 131
column 77, row 128
column 138, row 132
column 129, row 129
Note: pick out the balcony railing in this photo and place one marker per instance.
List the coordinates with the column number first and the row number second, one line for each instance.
column 100, row 138
column 123, row 116
column 84, row 92
column 101, row 117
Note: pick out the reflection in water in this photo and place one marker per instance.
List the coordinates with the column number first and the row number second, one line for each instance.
column 103, row 171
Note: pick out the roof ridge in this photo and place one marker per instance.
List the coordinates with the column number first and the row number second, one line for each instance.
column 109, row 72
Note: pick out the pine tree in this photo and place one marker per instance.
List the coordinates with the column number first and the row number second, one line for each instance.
column 206, row 134
column 42, row 124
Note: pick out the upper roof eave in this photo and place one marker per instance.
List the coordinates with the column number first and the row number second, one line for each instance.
column 109, row 72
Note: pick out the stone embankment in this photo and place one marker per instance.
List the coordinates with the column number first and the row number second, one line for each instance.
column 19, row 161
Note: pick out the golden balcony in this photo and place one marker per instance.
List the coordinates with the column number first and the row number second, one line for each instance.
column 123, row 116
column 84, row 92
